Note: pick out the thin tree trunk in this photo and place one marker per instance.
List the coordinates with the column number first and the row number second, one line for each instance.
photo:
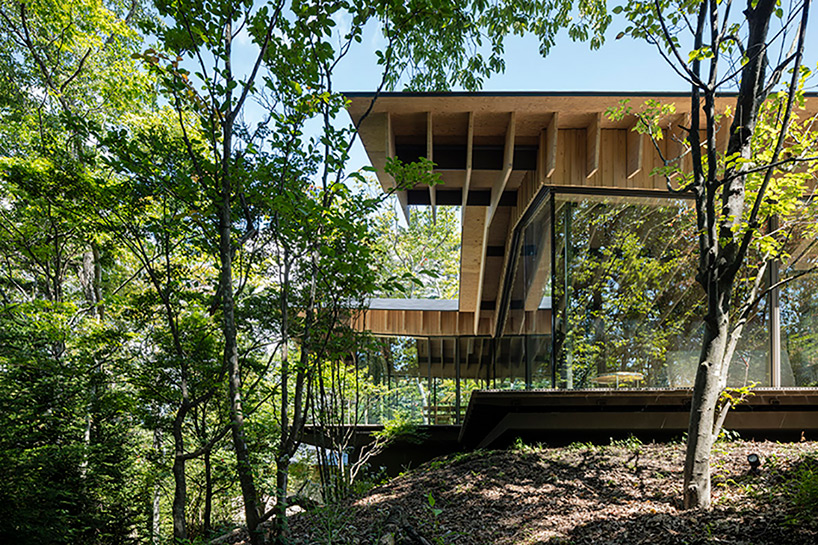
column 208, row 507
column 282, row 478
column 231, row 355
column 157, row 494
column 283, row 456
column 179, row 480
column 703, row 406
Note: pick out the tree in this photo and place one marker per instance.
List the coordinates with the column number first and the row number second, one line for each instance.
column 279, row 196
column 145, row 207
column 69, row 442
column 425, row 250
column 753, row 196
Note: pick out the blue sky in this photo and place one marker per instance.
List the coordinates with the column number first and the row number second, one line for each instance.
column 570, row 66
column 619, row 65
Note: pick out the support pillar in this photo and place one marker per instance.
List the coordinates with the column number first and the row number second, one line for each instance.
column 775, row 318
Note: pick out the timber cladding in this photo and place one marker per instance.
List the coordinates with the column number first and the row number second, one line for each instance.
column 495, row 153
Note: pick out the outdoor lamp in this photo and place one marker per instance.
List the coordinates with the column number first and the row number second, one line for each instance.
column 754, row 461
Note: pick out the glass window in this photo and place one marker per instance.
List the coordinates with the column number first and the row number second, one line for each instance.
column 628, row 309
column 799, row 320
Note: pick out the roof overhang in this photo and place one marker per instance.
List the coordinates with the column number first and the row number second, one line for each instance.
column 496, row 153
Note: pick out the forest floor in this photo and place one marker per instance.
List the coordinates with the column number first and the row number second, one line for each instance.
column 624, row 493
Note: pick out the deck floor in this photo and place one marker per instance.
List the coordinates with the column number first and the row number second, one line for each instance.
column 497, row 417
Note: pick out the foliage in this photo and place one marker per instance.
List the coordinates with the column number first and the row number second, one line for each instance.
column 759, row 179
column 805, row 491
column 633, row 303
column 71, row 439
column 401, row 429
column 459, row 44
column 420, row 260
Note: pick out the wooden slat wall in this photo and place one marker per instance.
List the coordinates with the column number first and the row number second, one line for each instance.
column 525, row 194
column 613, row 162
column 436, row 323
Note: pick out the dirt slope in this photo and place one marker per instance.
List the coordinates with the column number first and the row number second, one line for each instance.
column 626, row 493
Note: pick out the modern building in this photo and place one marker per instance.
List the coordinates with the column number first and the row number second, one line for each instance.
column 577, row 306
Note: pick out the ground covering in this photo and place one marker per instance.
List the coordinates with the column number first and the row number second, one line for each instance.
column 625, row 492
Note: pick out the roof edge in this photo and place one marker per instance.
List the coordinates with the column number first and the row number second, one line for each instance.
column 457, row 94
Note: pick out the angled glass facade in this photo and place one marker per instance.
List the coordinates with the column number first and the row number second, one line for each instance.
column 600, row 292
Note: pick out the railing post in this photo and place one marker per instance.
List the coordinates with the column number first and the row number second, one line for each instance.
column 775, row 317
column 457, row 380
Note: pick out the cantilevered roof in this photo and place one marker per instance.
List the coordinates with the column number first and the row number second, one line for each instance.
column 496, row 155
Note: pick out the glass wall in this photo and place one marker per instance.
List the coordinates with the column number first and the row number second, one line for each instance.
column 524, row 349
column 799, row 325
column 628, row 309
column 614, row 279
column 429, row 380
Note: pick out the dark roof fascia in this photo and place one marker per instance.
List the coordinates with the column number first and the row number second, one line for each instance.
column 461, row 94
column 464, row 94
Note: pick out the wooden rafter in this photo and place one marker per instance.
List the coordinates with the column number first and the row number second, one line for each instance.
column 402, row 195
column 469, row 162
column 430, row 156
column 550, row 144
column 592, row 140
column 508, row 164
column 472, row 257
column 635, row 146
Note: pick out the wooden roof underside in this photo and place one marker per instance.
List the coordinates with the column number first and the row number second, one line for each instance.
column 494, row 153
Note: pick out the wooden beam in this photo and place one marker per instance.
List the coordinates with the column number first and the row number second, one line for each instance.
column 472, row 257
column 430, row 156
column 401, row 194
column 551, row 135
column 592, row 140
column 376, row 129
column 482, row 275
column 428, row 323
column 508, row 164
column 635, row 145
column 540, row 173
column 496, row 192
column 469, row 163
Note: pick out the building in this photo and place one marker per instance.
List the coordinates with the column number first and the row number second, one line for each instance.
column 578, row 308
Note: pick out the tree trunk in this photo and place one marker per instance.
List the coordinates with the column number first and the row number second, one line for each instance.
column 706, row 394
column 282, row 475
column 722, row 252
column 231, row 354
column 179, row 480
column 157, row 494
column 283, row 456
column 208, row 507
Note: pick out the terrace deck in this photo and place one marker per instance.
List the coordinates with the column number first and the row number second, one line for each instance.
column 495, row 418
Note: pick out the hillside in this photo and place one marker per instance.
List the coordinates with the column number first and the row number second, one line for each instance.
column 625, row 493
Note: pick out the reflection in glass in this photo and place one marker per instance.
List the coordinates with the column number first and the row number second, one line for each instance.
column 799, row 323
column 626, row 300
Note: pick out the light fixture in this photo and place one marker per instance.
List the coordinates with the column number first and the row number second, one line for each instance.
column 754, row 461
